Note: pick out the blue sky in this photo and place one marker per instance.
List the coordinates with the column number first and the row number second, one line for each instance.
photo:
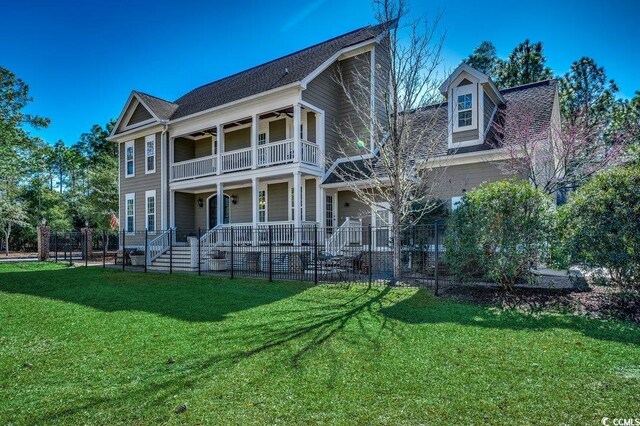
column 82, row 58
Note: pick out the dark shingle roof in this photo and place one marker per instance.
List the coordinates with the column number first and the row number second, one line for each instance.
column 277, row 73
column 535, row 101
column 161, row 108
column 271, row 75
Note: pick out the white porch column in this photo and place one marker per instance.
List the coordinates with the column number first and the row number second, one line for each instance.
column 220, row 203
column 220, row 142
column 297, row 199
column 172, row 209
column 319, row 203
column 296, row 133
column 163, row 180
column 255, row 128
column 255, row 188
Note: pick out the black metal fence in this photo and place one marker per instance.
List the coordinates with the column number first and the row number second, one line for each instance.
column 84, row 247
column 271, row 252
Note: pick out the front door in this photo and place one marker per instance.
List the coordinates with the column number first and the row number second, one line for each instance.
column 213, row 210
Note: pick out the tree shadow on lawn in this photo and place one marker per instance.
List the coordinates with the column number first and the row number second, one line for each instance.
column 422, row 308
column 306, row 327
column 305, row 323
column 179, row 296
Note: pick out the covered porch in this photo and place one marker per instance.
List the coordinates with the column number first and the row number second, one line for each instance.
column 260, row 140
column 254, row 203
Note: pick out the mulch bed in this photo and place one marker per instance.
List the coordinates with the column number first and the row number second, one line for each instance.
column 597, row 301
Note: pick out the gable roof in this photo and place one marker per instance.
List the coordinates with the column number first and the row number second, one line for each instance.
column 271, row 75
column 159, row 107
column 481, row 77
column 289, row 69
column 535, row 100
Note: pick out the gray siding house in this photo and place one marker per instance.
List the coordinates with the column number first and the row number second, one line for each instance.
column 260, row 147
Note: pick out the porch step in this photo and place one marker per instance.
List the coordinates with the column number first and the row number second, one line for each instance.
column 179, row 259
column 175, row 268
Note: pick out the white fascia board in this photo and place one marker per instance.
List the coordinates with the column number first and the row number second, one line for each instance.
column 234, row 111
column 364, row 183
column 236, row 102
column 344, row 160
column 123, row 114
column 466, row 158
column 136, row 133
column 305, row 81
column 246, row 176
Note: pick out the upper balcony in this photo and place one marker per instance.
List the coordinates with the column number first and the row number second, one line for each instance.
column 263, row 140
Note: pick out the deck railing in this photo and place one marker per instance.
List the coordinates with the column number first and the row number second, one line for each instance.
column 237, row 160
column 276, row 153
column 270, row 154
column 310, row 153
column 198, row 167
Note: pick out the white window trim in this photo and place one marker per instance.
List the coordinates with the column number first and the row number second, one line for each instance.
column 130, row 196
column 150, row 138
column 126, row 169
column 263, row 187
column 147, row 195
column 469, row 89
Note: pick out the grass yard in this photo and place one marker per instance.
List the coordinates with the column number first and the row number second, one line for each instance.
column 90, row 346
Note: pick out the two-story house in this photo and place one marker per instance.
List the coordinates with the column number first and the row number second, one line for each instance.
column 252, row 149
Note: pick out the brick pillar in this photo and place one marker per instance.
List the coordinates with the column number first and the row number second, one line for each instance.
column 88, row 232
column 44, row 234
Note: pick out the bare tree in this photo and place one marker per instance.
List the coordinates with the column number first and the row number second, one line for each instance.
column 563, row 156
column 401, row 127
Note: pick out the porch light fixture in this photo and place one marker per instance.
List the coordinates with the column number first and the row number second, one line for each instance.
column 200, row 202
column 346, row 204
column 234, row 198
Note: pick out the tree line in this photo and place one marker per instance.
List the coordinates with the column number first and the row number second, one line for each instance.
column 64, row 186
column 587, row 95
column 70, row 186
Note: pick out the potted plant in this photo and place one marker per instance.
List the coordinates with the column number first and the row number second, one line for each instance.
column 137, row 257
column 217, row 261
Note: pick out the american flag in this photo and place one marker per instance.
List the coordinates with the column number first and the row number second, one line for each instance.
column 114, row 222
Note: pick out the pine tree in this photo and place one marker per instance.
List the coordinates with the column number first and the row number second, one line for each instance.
column 525, row 64
column 587, row 94
column 484, row 59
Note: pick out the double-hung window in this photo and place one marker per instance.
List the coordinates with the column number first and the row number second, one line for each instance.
column 465, row 110
column 465, row 107
column 150, row 154
column 130, row 159
column 130, row 213
column 150, row 214
column 262, row 206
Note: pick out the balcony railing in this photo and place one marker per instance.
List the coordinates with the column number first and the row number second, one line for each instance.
column 271, row 154
column 194, row 168
column 310, row 153
column 276, row 153
column 237, row 160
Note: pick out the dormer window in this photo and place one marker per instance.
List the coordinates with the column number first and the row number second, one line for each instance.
column 465, row 110
column 465, row 107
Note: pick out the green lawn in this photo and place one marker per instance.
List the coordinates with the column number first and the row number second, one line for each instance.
column 90, row 346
